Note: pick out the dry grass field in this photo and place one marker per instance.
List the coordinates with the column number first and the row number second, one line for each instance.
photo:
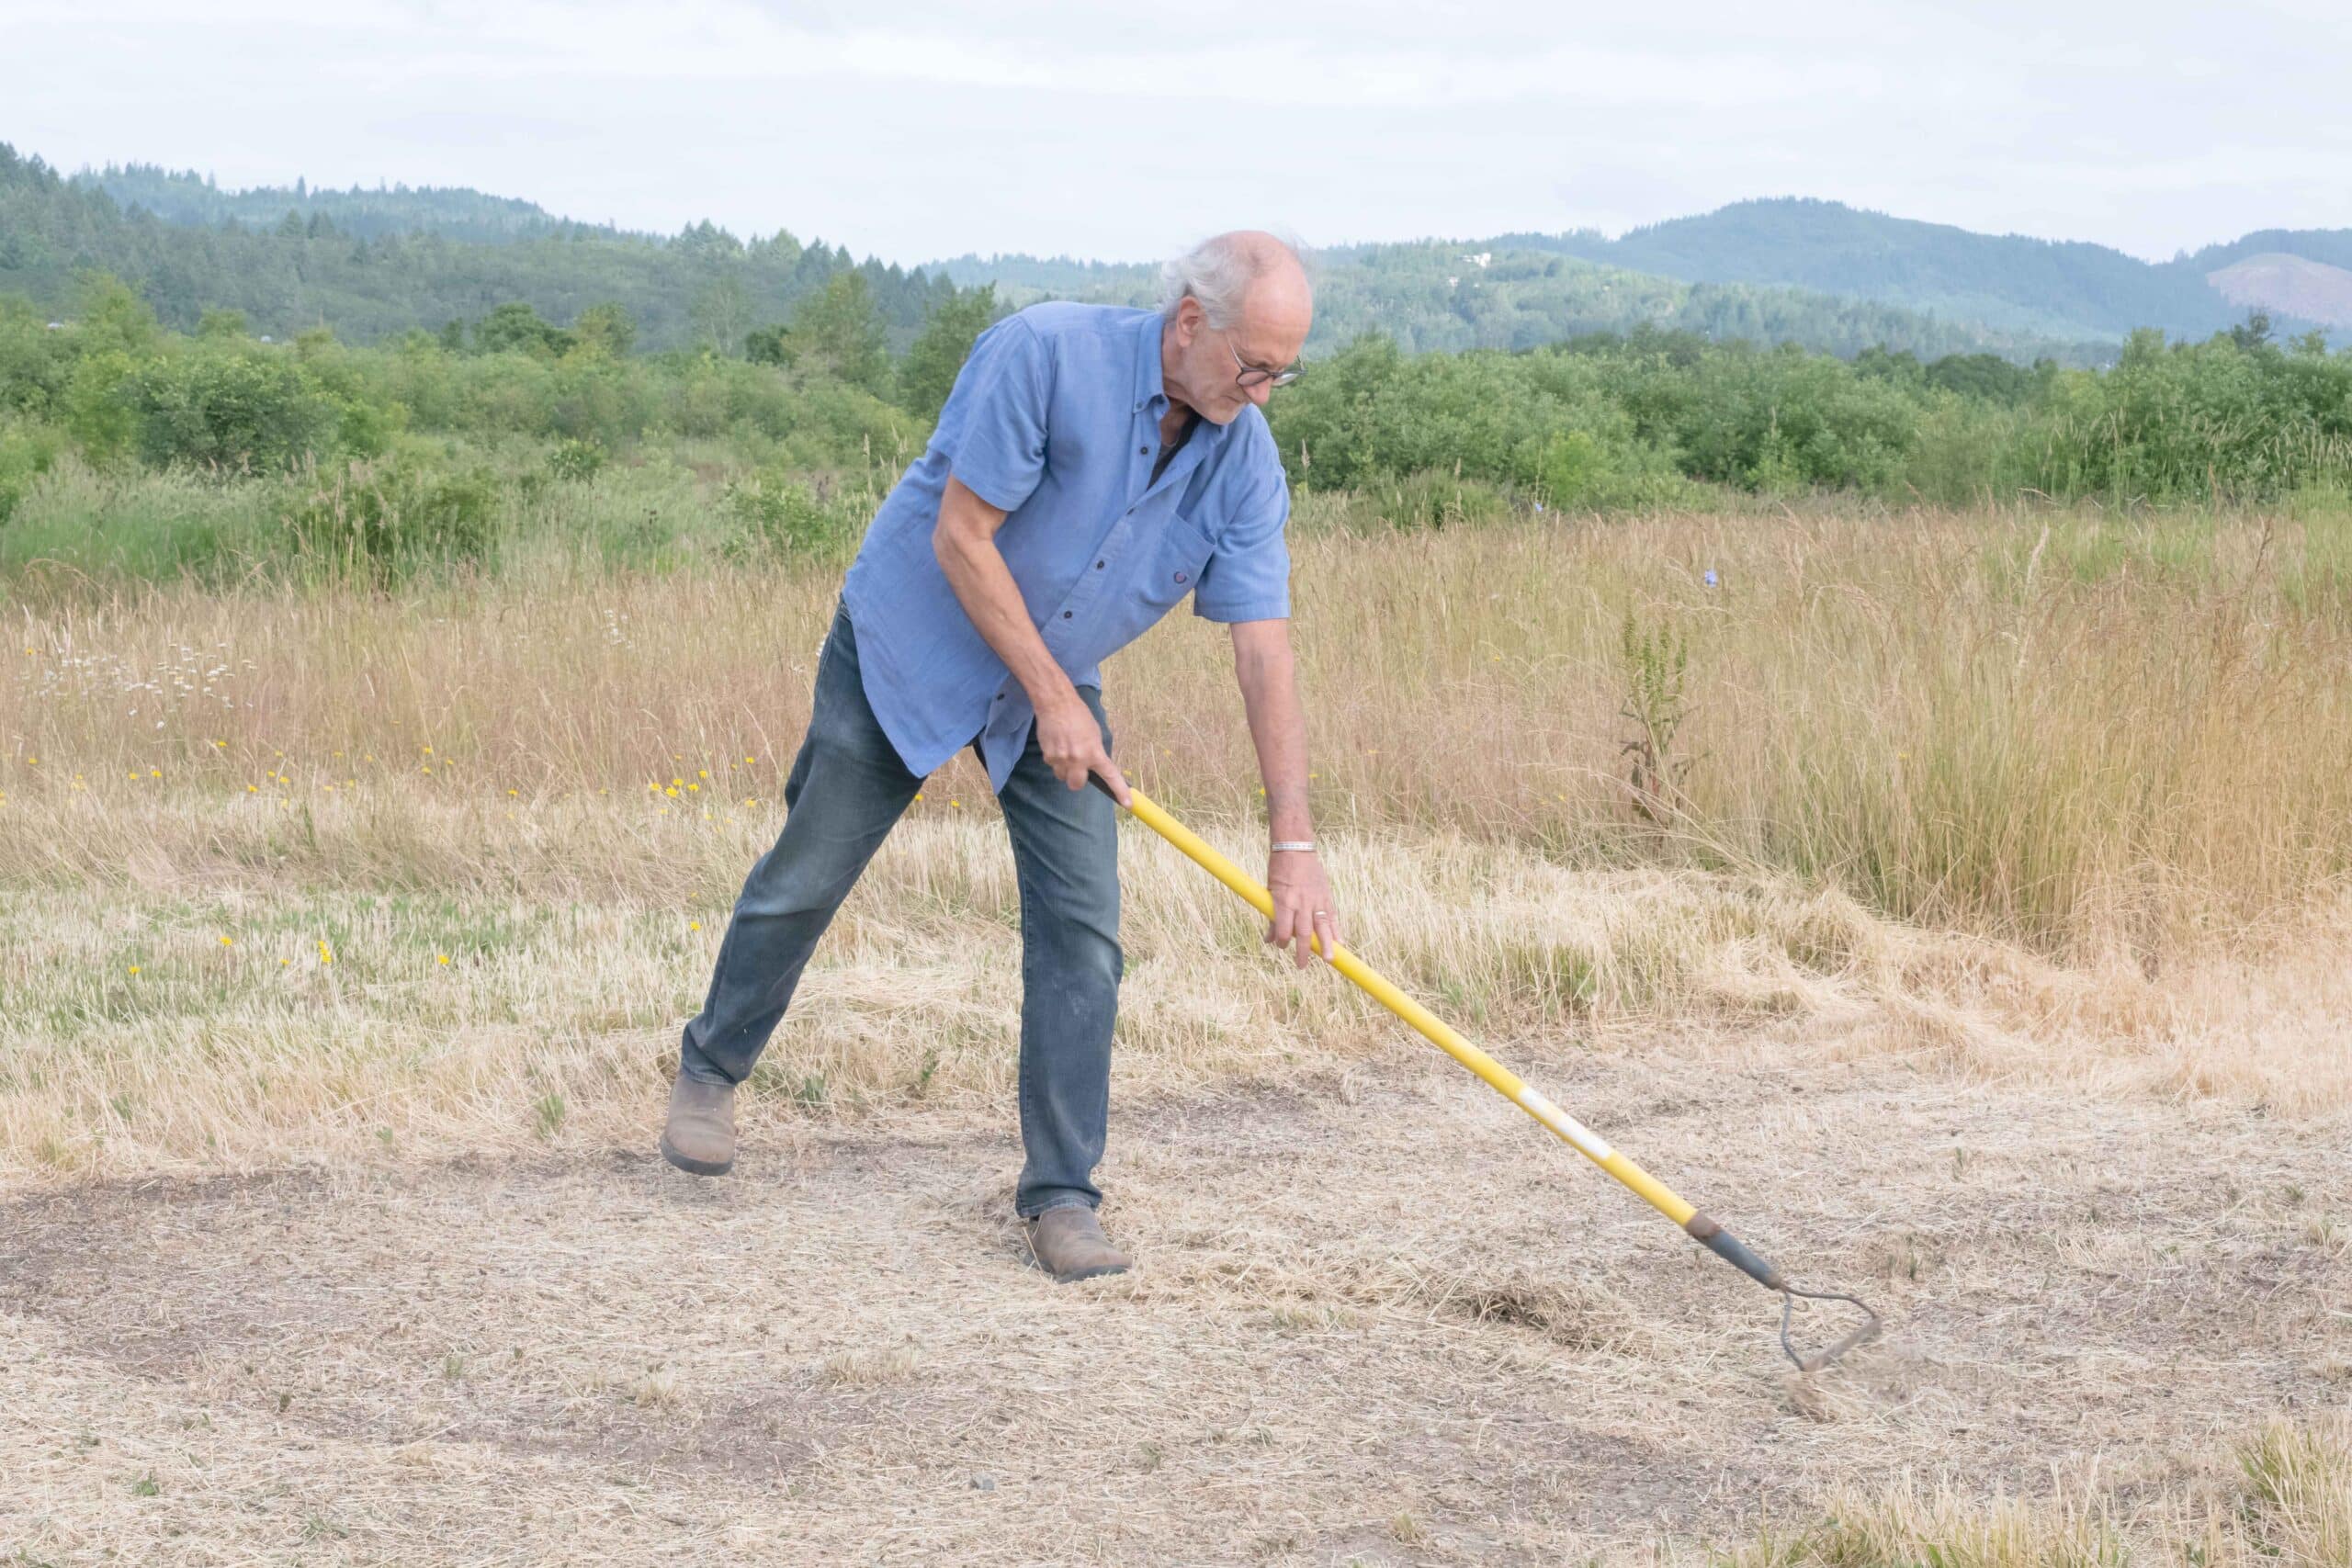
column 1979, row 944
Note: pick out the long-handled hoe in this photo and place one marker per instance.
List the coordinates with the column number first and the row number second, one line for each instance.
column 1503, row 1081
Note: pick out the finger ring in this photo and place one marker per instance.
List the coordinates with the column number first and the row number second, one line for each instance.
column 1322, row 911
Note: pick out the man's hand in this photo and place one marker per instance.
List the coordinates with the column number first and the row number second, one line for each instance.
column 1071, row 744
column 1302, row 905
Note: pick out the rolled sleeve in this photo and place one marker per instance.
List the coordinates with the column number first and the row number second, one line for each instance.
column 1247, row 577
column 1000, row 452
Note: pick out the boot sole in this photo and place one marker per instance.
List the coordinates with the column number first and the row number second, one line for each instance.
column 690, row 1165
column 1075, row 1275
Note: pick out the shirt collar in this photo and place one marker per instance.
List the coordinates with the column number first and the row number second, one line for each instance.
column 1151, row 389
column 1149, row 384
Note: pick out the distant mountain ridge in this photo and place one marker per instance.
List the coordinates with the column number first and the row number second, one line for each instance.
column 298, row 267
column 2059, row 287
column 2295, row 285
column 1819, row 273
column 2010, row 286
column 285, row 257
column 454, row 212
column 1437, row 295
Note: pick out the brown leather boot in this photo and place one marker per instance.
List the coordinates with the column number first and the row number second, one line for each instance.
column 1069, row 1243
column 700, row 1135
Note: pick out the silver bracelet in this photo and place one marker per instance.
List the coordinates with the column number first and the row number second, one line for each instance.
column 1299, row 846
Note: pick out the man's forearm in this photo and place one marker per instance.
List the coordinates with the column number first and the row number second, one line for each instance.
column 965, row 546
column 1262, row 666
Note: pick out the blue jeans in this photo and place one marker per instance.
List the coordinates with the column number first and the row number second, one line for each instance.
column 847, row 788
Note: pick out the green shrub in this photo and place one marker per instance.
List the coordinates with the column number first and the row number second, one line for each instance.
column 386, row 520
column 775, row 513
column 27, row 452
column 574, row 458
column 100, row 418
column 245, row 411
column 35, row 363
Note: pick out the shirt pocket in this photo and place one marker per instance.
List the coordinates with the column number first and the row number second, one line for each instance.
column 1176, row 562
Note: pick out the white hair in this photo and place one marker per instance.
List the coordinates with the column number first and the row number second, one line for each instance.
column 1218, row 273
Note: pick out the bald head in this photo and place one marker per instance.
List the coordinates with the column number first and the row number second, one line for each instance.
column 1226, row 271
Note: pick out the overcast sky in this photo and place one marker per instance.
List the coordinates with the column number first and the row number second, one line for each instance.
column 920, row 130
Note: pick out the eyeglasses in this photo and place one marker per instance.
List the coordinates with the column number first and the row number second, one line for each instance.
column 1253, row 376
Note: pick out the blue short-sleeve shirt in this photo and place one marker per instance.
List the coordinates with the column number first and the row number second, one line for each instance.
column 1055, row 419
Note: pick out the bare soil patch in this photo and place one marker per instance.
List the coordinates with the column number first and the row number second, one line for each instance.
column 1379, row 1318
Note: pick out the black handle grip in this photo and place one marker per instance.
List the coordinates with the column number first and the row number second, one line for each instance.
column 1733, row 1251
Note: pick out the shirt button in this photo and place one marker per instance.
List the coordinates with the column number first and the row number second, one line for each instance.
column 1180, row 576
column 1098, row 566
column 1064, row 614
column 1143, row 451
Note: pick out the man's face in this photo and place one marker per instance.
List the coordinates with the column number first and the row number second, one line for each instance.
column 1205, row 364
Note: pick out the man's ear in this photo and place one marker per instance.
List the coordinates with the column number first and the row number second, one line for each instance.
column 1190, row 319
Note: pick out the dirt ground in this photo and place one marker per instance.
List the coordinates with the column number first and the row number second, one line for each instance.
column 1379, row 1317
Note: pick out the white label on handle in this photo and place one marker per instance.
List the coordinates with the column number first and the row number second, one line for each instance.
column 1588, row 1141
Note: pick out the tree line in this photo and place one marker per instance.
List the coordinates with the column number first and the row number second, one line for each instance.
column 701, row 287
column 810, row 417
column 372, row 265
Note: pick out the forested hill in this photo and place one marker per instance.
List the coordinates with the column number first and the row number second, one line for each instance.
column 2062, row 289
column 454, row 212
column 371, row 263
column 702, row 284
column 1805, row 269
column 1488, row 294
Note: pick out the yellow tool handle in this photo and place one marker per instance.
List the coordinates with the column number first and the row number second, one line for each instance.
column 1505, row 1082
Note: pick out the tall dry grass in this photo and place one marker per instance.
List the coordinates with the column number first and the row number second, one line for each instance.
column 2290, row 1505
column 472, row 848
column 2096, row 737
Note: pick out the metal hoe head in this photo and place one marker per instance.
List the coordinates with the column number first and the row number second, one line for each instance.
column 1861, row 1334
column 1703, row 1230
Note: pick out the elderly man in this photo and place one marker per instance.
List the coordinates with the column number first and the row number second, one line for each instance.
column 1092, row 466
